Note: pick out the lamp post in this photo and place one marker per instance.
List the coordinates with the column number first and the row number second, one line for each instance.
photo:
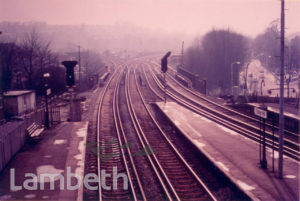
column 261, row 85
column 268, row 60
column 46, row 76
column 231, row 69
column 288, row 80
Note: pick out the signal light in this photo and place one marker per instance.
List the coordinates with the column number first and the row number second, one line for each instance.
column 164, row 62
column 70, row 78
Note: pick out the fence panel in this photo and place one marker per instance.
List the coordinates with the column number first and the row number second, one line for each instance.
column 13, row 135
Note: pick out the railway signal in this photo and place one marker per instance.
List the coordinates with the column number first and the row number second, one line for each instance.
column 70, row 78
column 164, row 62
column 164, row 69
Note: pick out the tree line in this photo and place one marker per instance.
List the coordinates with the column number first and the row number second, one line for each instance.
column 26, row 60
column 221, row 55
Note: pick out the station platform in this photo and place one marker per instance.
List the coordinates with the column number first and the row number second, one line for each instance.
column 60, row 148
column 236, row 156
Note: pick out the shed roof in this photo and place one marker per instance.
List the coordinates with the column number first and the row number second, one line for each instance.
column 17, row 92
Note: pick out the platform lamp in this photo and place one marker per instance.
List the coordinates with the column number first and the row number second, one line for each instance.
column 262, row 83
column 46, row 77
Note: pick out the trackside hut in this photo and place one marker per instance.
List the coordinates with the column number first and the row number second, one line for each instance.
column 19, row 102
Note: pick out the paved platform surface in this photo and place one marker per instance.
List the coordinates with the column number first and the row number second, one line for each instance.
column 60, row 147
column 237, row 156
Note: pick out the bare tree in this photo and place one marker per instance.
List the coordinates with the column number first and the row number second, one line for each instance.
column 294, row 53
column 266, row 46
column 8, row 53
column 212, row 58
column 28, row 55
column 34, row 56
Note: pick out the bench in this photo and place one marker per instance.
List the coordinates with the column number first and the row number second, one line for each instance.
column 34, row 132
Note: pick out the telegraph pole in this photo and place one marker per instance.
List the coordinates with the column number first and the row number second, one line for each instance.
column 281, row 101
column 79, row 65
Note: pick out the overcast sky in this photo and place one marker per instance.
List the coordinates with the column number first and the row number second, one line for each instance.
column 249, row 17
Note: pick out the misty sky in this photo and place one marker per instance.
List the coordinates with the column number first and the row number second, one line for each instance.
column 249, row 17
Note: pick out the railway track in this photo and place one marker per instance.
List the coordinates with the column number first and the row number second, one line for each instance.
column 109, row 151
column 216, row 181
column 109, row 159
column 183, row 183
column 179, row 175
column 91, row 165
column 116, row 150
column 199, row 99
column 251, row 120
column 116, row 154
column 150, row 178
column 130, row 141
column 248, row 122
column 291, row 148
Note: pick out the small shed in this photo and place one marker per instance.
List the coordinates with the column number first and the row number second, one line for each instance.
column 19, row 102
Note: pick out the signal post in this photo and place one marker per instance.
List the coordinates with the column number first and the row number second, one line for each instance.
column 70, row 79
column 164, row 69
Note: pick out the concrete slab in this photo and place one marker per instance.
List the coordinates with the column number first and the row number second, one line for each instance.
column 236, row 155
column 61, row 148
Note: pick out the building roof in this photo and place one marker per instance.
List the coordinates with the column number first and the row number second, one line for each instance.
column 17, row 92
